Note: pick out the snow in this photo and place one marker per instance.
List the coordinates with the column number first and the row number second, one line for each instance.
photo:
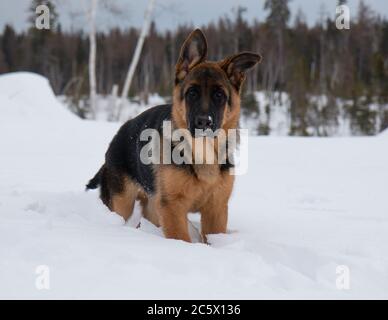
column 306, row 206
column 384, row 133
column 26, row 96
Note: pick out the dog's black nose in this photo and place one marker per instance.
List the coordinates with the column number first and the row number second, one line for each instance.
column 203, row 122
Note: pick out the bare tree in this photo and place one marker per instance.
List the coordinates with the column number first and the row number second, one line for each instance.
column 89, row 11
column 136, row 56
column 91, row 16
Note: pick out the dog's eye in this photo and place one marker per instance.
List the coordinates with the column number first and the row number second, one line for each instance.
column 219, row 94
column 192, row 93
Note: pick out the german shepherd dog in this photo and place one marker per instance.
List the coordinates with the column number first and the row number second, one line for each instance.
column 206, row 95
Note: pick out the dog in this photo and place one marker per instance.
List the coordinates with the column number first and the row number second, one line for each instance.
column 206, row 96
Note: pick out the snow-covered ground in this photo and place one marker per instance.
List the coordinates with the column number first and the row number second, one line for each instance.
column 305, row 207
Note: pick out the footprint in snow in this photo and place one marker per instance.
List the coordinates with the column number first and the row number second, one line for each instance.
column 36, row 207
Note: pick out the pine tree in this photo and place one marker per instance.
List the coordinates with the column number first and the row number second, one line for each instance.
column 277, row 19
column 9, row 47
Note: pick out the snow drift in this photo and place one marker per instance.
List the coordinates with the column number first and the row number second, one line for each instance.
column 26, row 96
column 305, row 207
column 384, row 133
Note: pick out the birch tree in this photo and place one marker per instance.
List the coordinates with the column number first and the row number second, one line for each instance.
column 89, row 13
column 91, row 16
column 136, row 56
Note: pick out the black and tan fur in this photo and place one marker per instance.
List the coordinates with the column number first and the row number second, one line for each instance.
column 168, row 192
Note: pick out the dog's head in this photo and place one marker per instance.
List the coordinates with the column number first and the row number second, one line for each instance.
column 207, row 94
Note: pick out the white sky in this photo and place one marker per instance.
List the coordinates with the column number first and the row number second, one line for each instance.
column 171, row 13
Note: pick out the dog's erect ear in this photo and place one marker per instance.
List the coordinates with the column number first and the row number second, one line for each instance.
column 236, row 66
column 193, row 51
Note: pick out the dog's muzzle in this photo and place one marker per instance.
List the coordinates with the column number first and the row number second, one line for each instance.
column 203, row 122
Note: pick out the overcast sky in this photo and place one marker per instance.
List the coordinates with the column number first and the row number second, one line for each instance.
column 171, row 13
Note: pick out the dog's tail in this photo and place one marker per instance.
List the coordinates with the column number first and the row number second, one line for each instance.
column 95, row 182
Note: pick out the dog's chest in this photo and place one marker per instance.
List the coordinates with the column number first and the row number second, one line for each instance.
column 203, row 186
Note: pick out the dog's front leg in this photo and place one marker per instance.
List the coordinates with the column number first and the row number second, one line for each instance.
column 173, row 218
column 214, row 217
column 214, row 213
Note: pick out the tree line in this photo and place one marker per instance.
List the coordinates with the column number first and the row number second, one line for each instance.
column 317, row 66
